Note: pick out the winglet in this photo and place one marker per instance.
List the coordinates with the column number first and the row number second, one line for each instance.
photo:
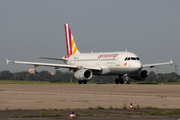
column 171, row 62
column 7, row 61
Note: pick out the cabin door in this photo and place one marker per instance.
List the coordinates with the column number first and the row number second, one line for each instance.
column 117, row 61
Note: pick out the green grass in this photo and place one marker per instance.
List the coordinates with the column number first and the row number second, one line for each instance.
column 99, row 107
column 35, row 82
column 146, row 83
column 151, row 107
column 90, row 108
column 164, row 112
column 90, row 114
column 137, row 106
column 42, row 114
column 139, row 113
column 124, row 106
column 170, row 83
column 164, row 83
column 100, row 114
column 24, row 116
column 90, row 82
column 110, row 107
column 19, row 109
column 21, row 82
column 101, row 83
column 152, row 111
column 129, row 117
column 53, row 115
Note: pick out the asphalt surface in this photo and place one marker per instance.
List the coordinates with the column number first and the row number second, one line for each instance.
column 88, row 114
column 22, row 97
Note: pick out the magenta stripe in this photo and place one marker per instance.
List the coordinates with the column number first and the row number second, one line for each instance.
column 66, row 39
column 70, row 40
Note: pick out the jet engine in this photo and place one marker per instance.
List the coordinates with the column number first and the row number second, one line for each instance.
column 83, row 74
column 141, row 75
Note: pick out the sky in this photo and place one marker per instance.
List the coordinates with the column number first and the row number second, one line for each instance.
column 31, row 28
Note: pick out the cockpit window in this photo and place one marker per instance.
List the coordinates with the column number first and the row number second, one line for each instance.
column 127, row 58
column 131, row 58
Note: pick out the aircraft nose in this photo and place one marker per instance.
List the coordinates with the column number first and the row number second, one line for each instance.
column 138, row 65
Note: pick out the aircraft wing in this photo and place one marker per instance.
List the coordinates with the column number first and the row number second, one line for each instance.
column 52, row 58
column 158, row 64
column 36, row 64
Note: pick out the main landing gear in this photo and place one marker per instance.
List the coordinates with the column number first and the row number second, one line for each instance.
column 121, row 80
column 82, row 81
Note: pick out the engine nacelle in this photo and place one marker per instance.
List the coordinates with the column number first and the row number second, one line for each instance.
column 83, row 74
column 141, row 75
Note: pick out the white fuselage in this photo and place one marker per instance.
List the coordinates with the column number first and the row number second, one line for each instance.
column 111, row 62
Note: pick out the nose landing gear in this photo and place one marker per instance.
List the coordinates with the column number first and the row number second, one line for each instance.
column 122, row 79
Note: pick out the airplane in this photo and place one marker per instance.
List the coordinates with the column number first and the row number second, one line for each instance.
column 85, row 65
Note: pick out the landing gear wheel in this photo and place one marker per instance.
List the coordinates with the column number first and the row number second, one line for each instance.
column 116, row 81
column 127, row 82
column 121, row 81
column 79, row 81
column 84, row 81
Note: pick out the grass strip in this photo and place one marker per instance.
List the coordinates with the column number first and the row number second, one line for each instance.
column 165, row 112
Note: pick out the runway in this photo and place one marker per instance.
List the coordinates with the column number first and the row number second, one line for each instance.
column 75, row 96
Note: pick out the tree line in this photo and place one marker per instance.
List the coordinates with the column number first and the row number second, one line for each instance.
column 60, row 76
column 39, row 76
column 167, row 77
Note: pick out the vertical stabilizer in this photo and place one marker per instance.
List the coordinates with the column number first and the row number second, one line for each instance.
column 70, row 43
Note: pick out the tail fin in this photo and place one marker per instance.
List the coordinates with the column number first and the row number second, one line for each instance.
column 70, row 43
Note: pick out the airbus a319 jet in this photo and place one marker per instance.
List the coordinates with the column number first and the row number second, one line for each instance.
column 85, row 65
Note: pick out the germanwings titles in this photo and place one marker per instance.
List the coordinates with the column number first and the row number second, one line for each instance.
column 85, row 65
